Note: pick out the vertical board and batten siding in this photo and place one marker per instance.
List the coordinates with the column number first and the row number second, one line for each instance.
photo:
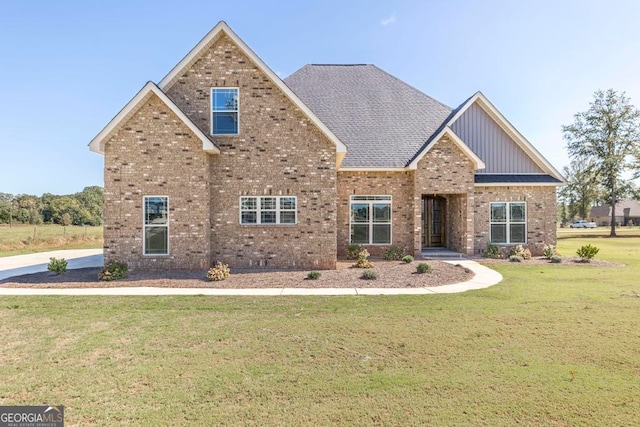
column 492, row 144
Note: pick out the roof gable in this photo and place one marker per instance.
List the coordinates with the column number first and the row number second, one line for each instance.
column 222, row 28
column 527, row 148
column 447, row 131
column 482, row 101
column 97, row 143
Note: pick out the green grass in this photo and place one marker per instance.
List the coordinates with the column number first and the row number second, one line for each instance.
column 550, row 345
column 25, row 239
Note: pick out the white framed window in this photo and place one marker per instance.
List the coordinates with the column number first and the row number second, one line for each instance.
column 156, row 225
column 370, row 220
column 508, row 222
column 268, row 210
column 225, row 110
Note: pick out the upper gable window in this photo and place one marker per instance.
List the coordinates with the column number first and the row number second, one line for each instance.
column 224, row 111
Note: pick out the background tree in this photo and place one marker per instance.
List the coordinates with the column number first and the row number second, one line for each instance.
column 608, row 136
column 582, row 189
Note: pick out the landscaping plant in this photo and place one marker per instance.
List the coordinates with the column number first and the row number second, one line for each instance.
column 363, row 262
column 493, row 251
column 353, row 251
column 394, row 253
column 369, row 275
column 113, row 270
column 587, row 252
column 407, row 259
column 549, row 251
column 313, row 275
column 520, row 251
column 515, row 258
column 423, row 267
column 58, row 266
column 219, row 272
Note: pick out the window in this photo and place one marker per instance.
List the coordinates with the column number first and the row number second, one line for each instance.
column 224, row 111
column 509, row 222
column 370, row 220
column 268, row 210
column 156, row 225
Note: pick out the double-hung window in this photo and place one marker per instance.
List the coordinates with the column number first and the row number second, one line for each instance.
column 268, row 210
column 370, row 220
column 156, row 225
column 224, row 111
column 509, row 222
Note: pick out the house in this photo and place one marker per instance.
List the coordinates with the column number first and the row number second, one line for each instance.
column 626, row 211
column 223, row 160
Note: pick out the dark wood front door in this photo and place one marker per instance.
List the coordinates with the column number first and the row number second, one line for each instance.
column 433, row 226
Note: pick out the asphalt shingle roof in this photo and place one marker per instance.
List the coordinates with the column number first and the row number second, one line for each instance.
column 382, row 120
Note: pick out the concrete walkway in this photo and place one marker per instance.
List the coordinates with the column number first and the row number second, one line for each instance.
column 33, row 263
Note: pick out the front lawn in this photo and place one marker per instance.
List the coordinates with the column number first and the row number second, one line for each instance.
column 550, row 345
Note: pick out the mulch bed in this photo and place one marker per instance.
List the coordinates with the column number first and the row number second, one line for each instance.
column 391, row 274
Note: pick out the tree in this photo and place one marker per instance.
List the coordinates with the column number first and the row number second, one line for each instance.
column 608, row 136
column 582, row 188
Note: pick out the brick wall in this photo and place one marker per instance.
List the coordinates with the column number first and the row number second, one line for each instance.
column 541, row 214
column 446, row 170
column 399, row 185
column 154, row 153
column 278, row 152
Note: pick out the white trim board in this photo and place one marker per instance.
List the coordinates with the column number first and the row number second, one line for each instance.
column 97, row 143
column 223, row 28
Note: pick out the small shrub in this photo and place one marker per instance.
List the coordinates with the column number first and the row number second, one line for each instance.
column 521, row 252
column 369, row 275
column 515, row 258
column 363, row 262
column 58, row 266
column 423, row 267
column 219, row 272
column 407, row 259
column 353, row 251
column 394, row 253
column 587, row 252
column 313, row 275
column 113, row 270
column 493, row 251
column 549, row 251
column 556, row 259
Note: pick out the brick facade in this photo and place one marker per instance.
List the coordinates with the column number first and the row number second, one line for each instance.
column 278, row 152
column 541, row 214
column 399, row 185
column 155, row 154
column 446, row 171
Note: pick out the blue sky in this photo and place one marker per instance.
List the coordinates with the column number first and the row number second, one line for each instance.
column 68, row 67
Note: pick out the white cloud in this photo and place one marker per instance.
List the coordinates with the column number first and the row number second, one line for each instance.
column 388, row 21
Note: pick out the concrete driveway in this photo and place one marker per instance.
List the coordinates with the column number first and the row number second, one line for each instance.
column 35, row 263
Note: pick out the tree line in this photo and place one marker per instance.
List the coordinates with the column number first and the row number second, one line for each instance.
column 83, row 208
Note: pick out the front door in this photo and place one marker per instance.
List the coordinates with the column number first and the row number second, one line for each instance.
column 433, row 227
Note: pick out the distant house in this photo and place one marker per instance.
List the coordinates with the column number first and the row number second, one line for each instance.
column 626, row 210
column 223, row 160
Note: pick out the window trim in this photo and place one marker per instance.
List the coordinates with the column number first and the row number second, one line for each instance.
column 258, row 210
column 372, row 199
column 508, row 223
column 145, row 226
column 212, row 111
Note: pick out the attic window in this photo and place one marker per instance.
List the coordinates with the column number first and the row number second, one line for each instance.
column 224, row 111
